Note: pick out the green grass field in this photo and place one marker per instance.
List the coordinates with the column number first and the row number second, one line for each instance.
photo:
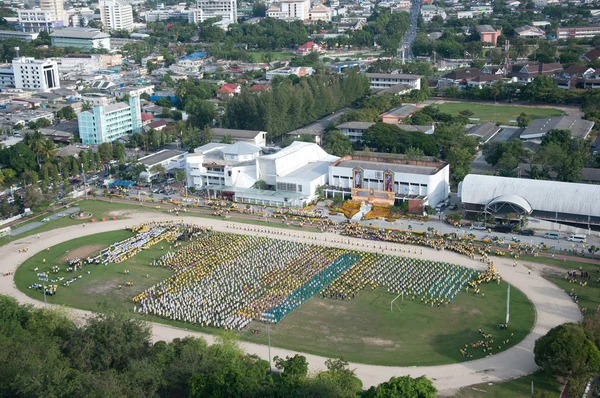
column 362, row 330
column 259, row 56
column 543, row 386
column 497, row 113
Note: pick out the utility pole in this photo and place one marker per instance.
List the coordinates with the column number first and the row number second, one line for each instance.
column 84, row 182
column 508, row 304
column 269, row 333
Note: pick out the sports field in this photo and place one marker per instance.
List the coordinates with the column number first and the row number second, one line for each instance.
column 361, row 330
column 500, row 113
column 261, row 56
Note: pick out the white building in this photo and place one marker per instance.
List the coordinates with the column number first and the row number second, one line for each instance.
column 426, row 181
column 205, row 9
column 36, row 20
column 354, row 130
column 87, row 63
column 35, row 74
column 56, row 7
column 429, row 11
column 387, row 80
column 320, row 13
column 116, row 15
column 231, row 171
column 290, row 70
column 169, row 159
column 84, row 38
column 290, row 10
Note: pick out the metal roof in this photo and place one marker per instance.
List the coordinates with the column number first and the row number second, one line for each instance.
column 539, row 127
column 542, row 195
column 240, row 148
column 514, row 199
column 79, row 33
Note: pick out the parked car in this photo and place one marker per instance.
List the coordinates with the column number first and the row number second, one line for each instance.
column 527, row 232
column 552, row 235
column 504, row 228
column 453, row 206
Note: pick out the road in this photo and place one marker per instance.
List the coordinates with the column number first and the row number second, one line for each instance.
column 553, row 305
column 411, row 33
column 318, row 127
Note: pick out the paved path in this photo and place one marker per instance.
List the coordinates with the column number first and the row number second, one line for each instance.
column 553, row 306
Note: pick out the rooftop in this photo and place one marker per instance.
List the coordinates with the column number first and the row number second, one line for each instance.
column 578, row 127
column 486, row 29
column 384, row 161
column 234, row 133
column 398, row 76
column 80, row 33
column 115, row 107
column 484, row 131
column 159, row 157
column 355, row 125
column 402, row 112
column 380, row 166
column 240, row 148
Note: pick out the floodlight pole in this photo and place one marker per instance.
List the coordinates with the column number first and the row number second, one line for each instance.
column 508, row 304
column 84, row 182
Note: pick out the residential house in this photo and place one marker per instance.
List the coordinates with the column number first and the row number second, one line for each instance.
column 530, row 32
column 354, row 130
column 228, row 90
column 319, row 12
column 591, row 56
column 488, row 34
column 397, row 115
column 484, row 132
column 308, row 48
column 527, row 72
column 428, row 12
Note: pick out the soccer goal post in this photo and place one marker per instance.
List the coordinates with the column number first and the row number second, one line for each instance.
column 392, row 302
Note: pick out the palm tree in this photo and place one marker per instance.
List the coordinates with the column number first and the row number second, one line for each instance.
column 35, row 142
column 159, row 170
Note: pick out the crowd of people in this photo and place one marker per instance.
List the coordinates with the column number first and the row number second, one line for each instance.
column 430, row 282
column 226, row 280
column 464, row 247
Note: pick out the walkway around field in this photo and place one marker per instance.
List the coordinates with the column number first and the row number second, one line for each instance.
column 553, row 305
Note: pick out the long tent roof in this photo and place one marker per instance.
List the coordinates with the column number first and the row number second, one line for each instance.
column 542, row 195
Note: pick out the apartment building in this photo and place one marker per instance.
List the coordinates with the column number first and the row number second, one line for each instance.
column 84, row 38
column 116, row 15
column 111, row 122
column 35, row 74
column 290, row 10
column 387, row 80
column 205, row 9
column 577, row 32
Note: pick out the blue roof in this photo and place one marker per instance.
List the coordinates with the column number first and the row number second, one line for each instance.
column 194, row 56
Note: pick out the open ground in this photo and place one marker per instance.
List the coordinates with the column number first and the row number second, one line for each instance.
column 553, row 307
column 362, row 330
column 500, row 113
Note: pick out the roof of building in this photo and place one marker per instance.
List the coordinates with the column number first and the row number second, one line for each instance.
column 308, row 172
column 402, row 76
column 146, row 117
column 355, row 125
column 486, row 29
column 540, row 194
column 592, row 54
column 484, row 131
column 461, row 74
column 194, row 56
column 157, row 124
column 115, row 107
column 383, row 166
column 402, row 112
column 160, row 156
column 539, row 127
column 395, row 89
column 320, row 7
column 80, row 33
column 69, row 150
column 294, row 147
column 308, row 45
column 260, row 87
column 526, row 28
column 240, row 148
column 234, row 133
column 414, row 127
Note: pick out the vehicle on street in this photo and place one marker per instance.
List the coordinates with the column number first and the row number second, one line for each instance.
column 552, row 235
column 453, row 206
column 527, row 232
column 577, row 238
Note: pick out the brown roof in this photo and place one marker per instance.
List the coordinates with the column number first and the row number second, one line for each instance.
column 462, row 74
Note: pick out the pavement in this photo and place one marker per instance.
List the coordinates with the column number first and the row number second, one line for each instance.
column 35, row 224
column 553, row 306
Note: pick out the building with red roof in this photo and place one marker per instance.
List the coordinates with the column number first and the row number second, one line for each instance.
column 308, row 47
column 229, row 90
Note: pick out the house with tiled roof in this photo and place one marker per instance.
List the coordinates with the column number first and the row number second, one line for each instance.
column 259, row 88
column 591, row 55
column 529, row 32
column 229, row 90
column 308, row 47
column 525, row 73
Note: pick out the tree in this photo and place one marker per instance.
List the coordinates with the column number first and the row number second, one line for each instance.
column 206, row 136
column 259, row 9
column 294, row 369
column 337, row 144
column 403, row 387
column 66, row 112
column 105, row 151
column 523, row 120
column 31, row 196
column 18, row 158
column 227, row 139
column 158, row 170
column 565, row 350
column 413, row 153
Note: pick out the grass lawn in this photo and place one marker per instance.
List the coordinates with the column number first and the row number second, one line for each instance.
column 497, row 113
column 518, row 388
column 258, row 56
column 102, row 284
column 362, row 330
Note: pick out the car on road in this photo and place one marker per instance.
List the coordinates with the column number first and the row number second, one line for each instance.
column 453, row 206
column 552, row 235
column 527, row 232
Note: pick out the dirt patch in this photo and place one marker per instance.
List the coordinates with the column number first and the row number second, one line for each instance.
column 118, row 213
column 377, row 342
column 103, row 288
column 81, row 252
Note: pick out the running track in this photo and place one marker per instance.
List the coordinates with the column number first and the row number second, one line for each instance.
column 553, row 306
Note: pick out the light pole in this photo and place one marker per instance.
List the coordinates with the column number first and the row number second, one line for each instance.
column 508, row 304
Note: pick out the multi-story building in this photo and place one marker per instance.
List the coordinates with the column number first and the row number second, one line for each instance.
column 387, row 80
column 354, row 130
column 577, row 32
column 320, row 13
column 429, row 11
column 25, row 36
column 290, row 70
column 111, row 122
column 7, row 76
column 37, row 20
column 84, row 38
column 167, row 158
column 116, row 15
column 290, row 10
column 205, row 9
column 35, row 74
column 56, row 7
column 530, row 32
